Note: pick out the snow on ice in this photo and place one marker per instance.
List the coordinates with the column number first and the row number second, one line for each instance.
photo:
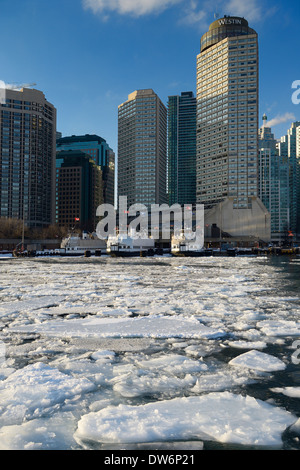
column 152, row 326
column 259, row 361
column 237, row 419
column 130, row 352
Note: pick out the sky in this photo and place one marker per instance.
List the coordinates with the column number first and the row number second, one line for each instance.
column 87, row 56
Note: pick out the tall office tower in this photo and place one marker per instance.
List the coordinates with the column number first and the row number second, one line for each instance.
column 27, row 157
column 288, row 145
column 100, row 152
column 182, row 148
column 227, row 114
column 273, row 185
column 79, row 190
column 142, row 148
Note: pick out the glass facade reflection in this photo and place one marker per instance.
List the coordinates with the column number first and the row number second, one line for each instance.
column 27, row 157
column 101, row 153
column 182, row 148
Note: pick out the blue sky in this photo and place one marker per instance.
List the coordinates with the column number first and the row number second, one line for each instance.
column 88, row 55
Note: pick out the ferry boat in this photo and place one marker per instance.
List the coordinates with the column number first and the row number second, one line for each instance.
column 87, row 245
column 181, row 246
column 124, row 245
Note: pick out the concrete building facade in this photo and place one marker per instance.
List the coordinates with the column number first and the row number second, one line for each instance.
column 227, row 131
column 142, row 148
column 227, row 114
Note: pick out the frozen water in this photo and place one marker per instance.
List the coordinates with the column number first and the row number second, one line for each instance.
column 288, row 391
column 151, row 326
column 158, row 352
column 237, row 419
column 258, row 361
column 32, row 390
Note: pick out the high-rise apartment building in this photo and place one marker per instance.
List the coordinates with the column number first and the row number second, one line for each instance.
column 288, row 146
column 142, row 148
column 227, row 114
column 79, row 190
column 100, row 152
column 27, row 157
column 274, row 188
column 182, row 148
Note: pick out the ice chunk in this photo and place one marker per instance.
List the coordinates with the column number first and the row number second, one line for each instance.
column 156, row 326
column 279, row 327
column 218, row 381
column 30, row 391
column 167, row 373
column 259, row 361
column 52, row 433
column 171, row 364
column 247, row 344
column 293, row 392
column 223, row 417
column 9, row 308
column 149, row 384
column 103, row 355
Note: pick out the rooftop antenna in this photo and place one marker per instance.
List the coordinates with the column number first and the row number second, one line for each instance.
column 265, row 119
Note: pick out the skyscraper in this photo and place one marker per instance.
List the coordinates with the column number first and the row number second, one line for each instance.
column 288, row 146
column 182, row 148
column 142, row 148
column 79, row 190
column 100, row 152
column 274, row 188
column 227, row 114
column 227, row 132
column 27, row 157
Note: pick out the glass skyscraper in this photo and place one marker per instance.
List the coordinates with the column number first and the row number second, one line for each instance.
column 289, row 146
column 27, row 157
column 274, row 188
column 182, row 148
column 100, row 152
column 79, row 190
column 227, row 114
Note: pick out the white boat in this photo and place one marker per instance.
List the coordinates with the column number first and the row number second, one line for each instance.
column 87, row 245
column 182, row 246
column 123, row 245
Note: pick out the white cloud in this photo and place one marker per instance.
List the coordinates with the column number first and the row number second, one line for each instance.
column 251, row 10
column 192, row 12
column 280, row 119
column 129, row 7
